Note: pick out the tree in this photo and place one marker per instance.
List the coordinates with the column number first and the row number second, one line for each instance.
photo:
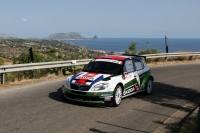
column 132, row 49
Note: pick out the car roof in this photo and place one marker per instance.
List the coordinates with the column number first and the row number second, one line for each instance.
column 119, row 57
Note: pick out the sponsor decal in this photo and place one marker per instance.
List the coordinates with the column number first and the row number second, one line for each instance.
column 83, row 79
column 135, row 87
column 127, row 91
column 110, row 60
column 119, row 62
column 129, row 75
column 94, row 94
column 89, row 76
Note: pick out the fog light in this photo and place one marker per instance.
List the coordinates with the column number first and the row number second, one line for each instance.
column 107, row 99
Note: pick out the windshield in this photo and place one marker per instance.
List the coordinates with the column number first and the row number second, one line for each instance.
column 103, row 67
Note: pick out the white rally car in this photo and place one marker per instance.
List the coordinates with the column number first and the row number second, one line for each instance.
column 108, row 79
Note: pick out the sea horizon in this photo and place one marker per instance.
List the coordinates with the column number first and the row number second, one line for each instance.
column 122, row 44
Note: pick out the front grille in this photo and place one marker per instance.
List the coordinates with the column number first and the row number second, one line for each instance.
column 78, row 92
column 84, row 98
column 74, row 86
column 80, row 87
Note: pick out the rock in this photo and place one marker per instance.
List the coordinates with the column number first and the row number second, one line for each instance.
column 95, row 37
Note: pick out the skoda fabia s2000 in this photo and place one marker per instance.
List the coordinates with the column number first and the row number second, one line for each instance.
column 108, row 79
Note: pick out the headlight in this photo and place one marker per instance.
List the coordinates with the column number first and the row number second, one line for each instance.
column 101, row 86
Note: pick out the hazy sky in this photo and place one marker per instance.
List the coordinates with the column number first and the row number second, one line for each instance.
column 105, row 18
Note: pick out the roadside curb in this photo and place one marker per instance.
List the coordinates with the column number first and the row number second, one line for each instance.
column 176, row 119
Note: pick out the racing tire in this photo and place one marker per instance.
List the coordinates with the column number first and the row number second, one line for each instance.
column 117, row 96
column 149, row 86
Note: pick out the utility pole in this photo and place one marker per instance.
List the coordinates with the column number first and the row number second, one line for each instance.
column 84, row 42
column 166, row 46
column 148, row 42
column 31, row 59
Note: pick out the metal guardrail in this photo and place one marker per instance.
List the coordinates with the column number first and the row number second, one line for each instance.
column 35, row 66
column 161, row 55
column 59, row 64
column 42, row 65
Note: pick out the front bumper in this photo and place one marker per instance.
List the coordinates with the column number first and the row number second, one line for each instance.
column 88, row 97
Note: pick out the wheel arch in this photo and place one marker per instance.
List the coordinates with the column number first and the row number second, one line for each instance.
column 151, row 77
column 120, row 84
column 115, row 83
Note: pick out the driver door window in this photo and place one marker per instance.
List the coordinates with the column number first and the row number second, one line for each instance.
column 139, row 65
column 128, row 67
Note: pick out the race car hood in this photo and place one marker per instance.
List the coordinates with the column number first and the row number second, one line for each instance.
column 88, row 78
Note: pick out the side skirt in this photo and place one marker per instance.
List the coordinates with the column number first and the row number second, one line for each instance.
column 133, row 93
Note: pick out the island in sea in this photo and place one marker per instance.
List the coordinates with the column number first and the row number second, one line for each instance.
column 66, row 36
column 69, row 36
column 95, row 37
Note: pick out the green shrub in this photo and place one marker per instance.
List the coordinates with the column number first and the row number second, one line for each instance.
column 1, row 62
column 149, row 51
column 131, row 50
column 10, row 77
column 159, row 59
column 181, row 58
column 71, row 70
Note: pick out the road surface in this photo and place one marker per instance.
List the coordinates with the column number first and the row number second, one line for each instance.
column 39, row 107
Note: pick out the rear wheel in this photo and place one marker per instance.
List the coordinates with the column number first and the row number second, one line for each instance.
column 149, row 86
column 117, row 97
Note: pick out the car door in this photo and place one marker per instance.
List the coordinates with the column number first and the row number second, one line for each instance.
column 139, row 66
column 131, row 77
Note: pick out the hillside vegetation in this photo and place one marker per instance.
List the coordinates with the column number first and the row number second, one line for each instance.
column 51, row 50
column 16, row 51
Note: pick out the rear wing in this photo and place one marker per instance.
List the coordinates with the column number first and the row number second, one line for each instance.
column 135, row 56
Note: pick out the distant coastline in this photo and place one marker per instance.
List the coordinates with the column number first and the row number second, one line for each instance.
column 122, row 44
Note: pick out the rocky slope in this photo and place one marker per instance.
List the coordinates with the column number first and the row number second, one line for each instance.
column 66, row 36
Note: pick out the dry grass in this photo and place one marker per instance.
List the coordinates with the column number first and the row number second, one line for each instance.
column 173, row 62
column 6, row 61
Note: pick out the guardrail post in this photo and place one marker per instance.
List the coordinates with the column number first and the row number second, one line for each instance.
column 2, row 78
column 32, row 74
column 59, row 70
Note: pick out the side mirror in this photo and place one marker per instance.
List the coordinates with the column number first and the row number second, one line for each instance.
column 124, row 75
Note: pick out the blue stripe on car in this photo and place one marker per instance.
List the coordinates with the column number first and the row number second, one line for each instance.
column 75, row 76
column 97, row 79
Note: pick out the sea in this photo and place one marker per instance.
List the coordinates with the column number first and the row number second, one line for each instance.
column 122, row 44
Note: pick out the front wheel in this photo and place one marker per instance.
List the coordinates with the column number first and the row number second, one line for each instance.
column 117, row 97
column 149, row 86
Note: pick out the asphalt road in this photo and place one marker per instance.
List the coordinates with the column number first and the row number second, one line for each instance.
column 39, row 108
